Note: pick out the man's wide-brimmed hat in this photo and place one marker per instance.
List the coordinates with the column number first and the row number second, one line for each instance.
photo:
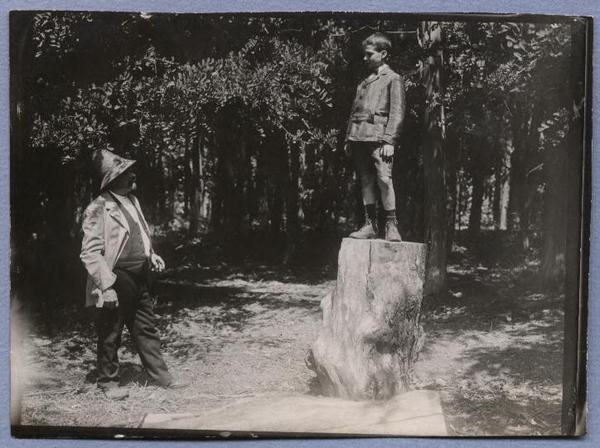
column 109, row 166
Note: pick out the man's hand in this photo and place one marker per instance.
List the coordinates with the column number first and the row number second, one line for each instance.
column 158, row 264
column 110, row 299
column 346, row 149
column 387, row 152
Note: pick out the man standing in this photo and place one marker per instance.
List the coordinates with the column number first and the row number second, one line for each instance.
column 117, row 254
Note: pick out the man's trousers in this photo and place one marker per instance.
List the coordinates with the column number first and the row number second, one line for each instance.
column 135, row 312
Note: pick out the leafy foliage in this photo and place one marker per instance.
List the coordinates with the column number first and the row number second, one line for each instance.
column 237, row 121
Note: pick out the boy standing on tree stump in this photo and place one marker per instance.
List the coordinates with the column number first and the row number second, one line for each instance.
column 373, row 132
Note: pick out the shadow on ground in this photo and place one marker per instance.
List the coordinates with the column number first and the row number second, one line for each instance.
column 493, row 350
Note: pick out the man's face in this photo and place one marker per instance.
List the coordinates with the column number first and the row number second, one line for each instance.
column 374, row 58
column 124, row 183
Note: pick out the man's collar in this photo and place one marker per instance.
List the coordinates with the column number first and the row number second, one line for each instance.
column 113, row 207
column 119, row 196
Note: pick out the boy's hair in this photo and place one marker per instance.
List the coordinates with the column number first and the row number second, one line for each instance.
column 378, row 40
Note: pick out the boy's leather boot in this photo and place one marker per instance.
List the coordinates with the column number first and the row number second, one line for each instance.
column 366, row 232
column 391, row 230
column 369, row 230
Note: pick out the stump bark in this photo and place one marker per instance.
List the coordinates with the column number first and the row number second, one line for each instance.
column 371, row 334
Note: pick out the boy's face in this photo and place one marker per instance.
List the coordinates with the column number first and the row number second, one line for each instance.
column 374, row 58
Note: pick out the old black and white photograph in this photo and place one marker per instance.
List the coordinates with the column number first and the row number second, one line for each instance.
column 298, row 224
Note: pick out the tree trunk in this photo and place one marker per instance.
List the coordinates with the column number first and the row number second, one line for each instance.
column 277, row 171
column 525, row 142
column 196, row 186
column 554, row 216
column 252, row 198
column 499, row 196
column 162, row 193
column 434, row 161
column 453, row 186
column 223, row 181
column 276, row 210
column 371, row 334
column 229, row 189
column 476, row 203
column 239, row 174
column 496, row 201
column 187, row 183
column 518, row 192
column 458, row 211
column 292, row 203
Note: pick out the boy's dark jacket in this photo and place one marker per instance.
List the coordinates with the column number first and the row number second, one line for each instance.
column 378, row 109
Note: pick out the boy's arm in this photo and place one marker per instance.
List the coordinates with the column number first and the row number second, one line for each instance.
column 397, row 111
column 351, row 112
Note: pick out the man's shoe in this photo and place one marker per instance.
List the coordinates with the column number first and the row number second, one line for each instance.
column 391, row 231
column 116, row 393
column 366, row 232
column 177, row 384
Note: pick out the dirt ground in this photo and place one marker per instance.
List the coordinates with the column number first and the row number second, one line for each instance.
column 493, row 351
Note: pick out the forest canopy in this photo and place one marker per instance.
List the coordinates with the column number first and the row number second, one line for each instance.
column 237, row 125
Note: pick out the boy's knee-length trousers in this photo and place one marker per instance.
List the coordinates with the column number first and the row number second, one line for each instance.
column 374, row 171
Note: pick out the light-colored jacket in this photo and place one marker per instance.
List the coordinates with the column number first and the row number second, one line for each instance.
column 378, row 109
column 105, row 232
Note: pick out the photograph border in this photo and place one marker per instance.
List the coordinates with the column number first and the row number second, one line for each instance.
column 537, row 9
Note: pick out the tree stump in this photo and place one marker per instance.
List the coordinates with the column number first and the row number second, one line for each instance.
column 371, row 335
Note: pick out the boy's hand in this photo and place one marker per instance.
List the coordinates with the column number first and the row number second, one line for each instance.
column 386, row 152
column 346, row 149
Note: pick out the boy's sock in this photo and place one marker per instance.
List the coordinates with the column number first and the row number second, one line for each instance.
column 390, row 215
column 371, row 212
